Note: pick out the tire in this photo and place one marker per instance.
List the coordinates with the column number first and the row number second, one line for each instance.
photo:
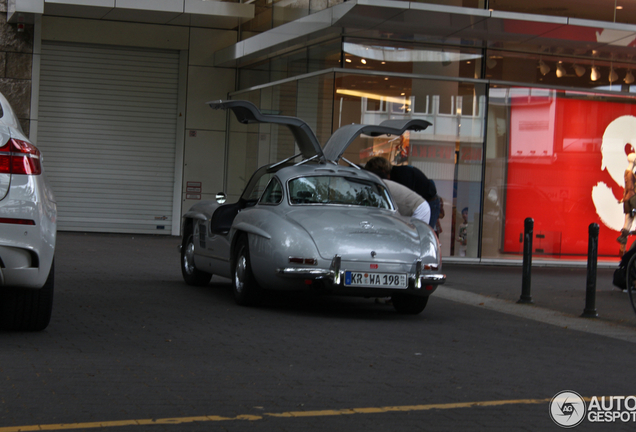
column 191, row 275
column 409, row 304
column 630, row 277
column 25, row 309
column 246, row 290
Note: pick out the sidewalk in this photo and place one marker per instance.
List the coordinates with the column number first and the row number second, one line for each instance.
column 559, row 289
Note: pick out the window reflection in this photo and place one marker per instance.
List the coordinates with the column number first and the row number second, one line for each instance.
column 405, row 57
column 449, row 152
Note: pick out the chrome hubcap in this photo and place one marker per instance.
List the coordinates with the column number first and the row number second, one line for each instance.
column 188, row 258
column 239, row 273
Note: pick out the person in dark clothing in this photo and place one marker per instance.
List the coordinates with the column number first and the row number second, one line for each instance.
column 416, row 180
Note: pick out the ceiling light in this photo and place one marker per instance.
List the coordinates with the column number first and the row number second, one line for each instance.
column 595, row 75
column 397, row 100
column 560, row 72
column 348, row 60
column 578, row 70
column 491, row 62
column 619, row 7
column 629, row 77
column 363, row 61
column 543, row 68
column 613, row 76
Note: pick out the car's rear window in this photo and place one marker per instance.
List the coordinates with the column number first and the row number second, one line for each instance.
column 338, row 190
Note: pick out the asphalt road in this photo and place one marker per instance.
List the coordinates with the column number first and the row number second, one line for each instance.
column 133, row 348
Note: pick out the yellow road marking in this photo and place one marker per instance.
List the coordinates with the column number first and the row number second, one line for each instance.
column 249, row 417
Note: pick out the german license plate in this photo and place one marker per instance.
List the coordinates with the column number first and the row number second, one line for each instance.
column 380, row 280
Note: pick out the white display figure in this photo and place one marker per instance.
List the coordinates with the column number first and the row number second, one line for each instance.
column 629, row 198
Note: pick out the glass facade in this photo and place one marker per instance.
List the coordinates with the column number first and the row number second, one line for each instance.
column 514, row 133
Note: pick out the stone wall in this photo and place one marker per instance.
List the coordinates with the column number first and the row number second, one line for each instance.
column 16, row 60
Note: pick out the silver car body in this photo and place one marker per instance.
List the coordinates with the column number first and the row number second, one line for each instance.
column 28, row 217
column 296, row 243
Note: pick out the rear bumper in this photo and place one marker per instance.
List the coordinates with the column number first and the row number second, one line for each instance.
column 24, row 268
column 421, row 282
column 27, row 251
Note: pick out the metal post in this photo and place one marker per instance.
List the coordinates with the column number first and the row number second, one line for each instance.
column 528, row 230
column 592, row 258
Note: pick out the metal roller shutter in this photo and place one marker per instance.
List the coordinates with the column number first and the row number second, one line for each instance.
column 107, row 128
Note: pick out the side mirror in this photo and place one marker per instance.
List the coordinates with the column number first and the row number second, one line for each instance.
column 221, row 197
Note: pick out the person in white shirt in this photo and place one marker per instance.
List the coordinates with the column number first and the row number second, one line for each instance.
column 409, row 203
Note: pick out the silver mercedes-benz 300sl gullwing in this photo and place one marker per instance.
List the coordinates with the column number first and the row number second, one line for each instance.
column 313, row 225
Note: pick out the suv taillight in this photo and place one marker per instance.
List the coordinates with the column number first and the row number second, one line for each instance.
column 19, row 157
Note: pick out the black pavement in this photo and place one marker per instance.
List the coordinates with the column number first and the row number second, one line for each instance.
column 561, row 289
column 130, row 343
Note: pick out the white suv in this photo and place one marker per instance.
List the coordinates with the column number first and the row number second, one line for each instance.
column 28, row 225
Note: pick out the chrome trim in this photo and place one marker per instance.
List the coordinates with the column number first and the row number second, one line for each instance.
column 284, row 161
column 307, row 273
column 335, row 270
column 350, row 163
column 436, row 278
column 417, row 283
column 304, row 161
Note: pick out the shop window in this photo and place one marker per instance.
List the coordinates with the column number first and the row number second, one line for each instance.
column 558, row 71
column 558, row 157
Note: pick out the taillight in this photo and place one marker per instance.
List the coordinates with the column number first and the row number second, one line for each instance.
column 19, row 157
column 17, row 221
column 310, row 261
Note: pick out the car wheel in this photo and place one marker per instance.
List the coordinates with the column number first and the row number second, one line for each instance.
column 27, row 309
column 409, row 304
column 246, row 290
column 191, row 274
